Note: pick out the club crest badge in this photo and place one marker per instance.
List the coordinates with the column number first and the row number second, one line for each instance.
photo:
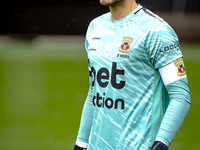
column 180, row 66
column 125, row 47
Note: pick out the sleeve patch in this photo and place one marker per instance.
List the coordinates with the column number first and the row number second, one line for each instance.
column 180, row 66
column 173, row 71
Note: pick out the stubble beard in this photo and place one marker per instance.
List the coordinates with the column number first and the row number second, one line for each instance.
column 111, row 3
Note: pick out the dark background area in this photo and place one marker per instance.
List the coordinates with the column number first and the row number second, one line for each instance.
column 70, row 16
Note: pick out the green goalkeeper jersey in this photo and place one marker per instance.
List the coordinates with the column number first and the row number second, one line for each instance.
column 126, row 93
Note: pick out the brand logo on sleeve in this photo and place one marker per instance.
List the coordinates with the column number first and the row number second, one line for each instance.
column 180, row 66
column 125, row 47
column 170, row 48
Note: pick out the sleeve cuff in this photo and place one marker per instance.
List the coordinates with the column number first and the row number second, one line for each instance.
column 82, row 144
column 162, row 142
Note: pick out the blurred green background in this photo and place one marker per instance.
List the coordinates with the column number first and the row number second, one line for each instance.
column 43, row 89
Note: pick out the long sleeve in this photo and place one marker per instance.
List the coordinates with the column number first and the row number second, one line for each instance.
column 176, row 112
column 87, row 113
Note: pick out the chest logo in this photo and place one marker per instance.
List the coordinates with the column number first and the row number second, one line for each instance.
column 125, row 47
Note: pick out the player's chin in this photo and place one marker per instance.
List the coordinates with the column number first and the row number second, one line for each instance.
column 105, row 2
column 109, row 2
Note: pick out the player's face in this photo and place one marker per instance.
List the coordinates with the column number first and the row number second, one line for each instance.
column 110, row 2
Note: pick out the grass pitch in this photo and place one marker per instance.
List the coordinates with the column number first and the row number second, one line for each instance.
column 42, row 91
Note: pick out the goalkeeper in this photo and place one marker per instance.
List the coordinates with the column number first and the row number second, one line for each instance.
column 139, row 94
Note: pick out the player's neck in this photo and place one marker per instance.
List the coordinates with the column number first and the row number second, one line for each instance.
column 122, row 9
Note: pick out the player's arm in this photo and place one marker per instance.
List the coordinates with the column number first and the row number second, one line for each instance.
column 175, row 80
column 87, row 113
column 163, row 47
